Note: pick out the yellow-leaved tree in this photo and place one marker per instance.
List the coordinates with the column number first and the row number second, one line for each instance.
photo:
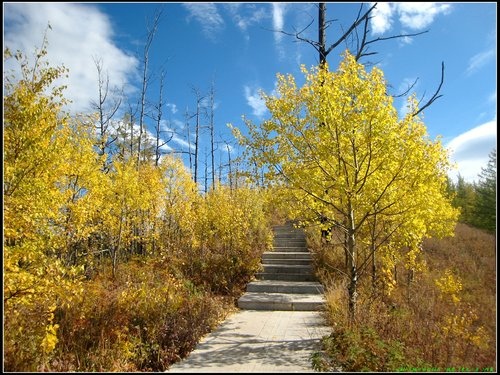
column 37, row 138
column 338, row 147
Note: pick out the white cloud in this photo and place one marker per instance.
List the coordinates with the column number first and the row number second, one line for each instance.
column 254, row 100
column 414, row 16
column 479, row 60
column 178, row 124
column 417, row 16
column 245, row 15
column 173, row 136
column 404, row 86
column 279, row 10
column 208, row 16
column 181, row 142
column 173, row 108
column 406, row 40
column 470, row 150
column 148, row 136
column 278, row 19
column 80, row 32
column 381, row 21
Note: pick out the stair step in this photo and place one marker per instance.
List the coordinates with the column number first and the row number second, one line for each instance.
column 289, row 261
column 287, row 281
column 288, row 240
column 285, row 276
column 268, row 255
column 290, row 249
column 287, row 287
column 281, row 302
column 289, row 235
column 287, row 268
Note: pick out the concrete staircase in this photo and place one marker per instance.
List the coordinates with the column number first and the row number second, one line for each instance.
column 287, row 281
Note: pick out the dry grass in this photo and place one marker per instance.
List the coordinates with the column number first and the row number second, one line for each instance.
column 416, row 327
column 144, row 320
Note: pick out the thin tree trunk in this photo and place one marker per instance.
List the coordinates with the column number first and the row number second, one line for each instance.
column 212, row 104
column 196, row 142
column 321, row 34
column 145, row 80
column 190, row 153
column 352, row 266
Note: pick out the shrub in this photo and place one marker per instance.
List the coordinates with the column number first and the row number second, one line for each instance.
column 442, row 319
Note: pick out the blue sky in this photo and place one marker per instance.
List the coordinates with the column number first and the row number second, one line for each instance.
column 234, row 45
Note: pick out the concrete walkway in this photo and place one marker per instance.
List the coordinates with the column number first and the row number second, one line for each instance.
column 259, row 341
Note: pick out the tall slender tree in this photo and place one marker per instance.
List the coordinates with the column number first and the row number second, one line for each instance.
column 158, row 117
column 107, row 105
column 197, row 115
column 378, row 179
column 151, row 32
column 212, row 130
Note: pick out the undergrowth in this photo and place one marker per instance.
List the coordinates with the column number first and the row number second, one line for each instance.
column 443, row 320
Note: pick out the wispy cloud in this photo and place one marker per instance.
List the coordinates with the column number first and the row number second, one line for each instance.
column 479, row 60
column 470, row 150
column 279, row 10
column 174, row 136
column 181, row 142
column 255, row 101
column 80, row 32
column 245, row 15
column 414, row 16
column 208, row 16
column 148, row 136
column 278, row 19
column 173, row 107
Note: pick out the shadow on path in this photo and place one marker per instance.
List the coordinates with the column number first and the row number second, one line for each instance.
column 259, row 341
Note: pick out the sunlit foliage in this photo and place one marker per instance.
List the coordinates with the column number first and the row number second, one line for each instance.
column 36, row 277
column 339, row 148
column 110, row 265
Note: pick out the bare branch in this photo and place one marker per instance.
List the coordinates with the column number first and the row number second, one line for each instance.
column 435, row 96
column 354, row 25
column 407, row 91
column 298, row 36
column 364, row 45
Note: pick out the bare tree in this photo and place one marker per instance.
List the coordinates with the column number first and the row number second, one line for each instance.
column 206, row 172
column 131, row 118
column 363, row 42
column 197, row 115
column 229, row 164
column 151, row 31
column 187, row 118
column 159, row 141
column 211, row 125
column 105, row 108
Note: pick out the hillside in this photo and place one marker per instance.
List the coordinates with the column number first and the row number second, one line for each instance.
column 444, row 319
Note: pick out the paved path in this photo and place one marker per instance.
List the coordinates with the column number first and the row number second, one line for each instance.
column 259, row 341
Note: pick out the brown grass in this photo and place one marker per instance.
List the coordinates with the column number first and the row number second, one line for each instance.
column 144, row 320
column 408, row 329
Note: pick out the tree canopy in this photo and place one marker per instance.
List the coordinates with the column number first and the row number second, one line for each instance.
column 347, row 159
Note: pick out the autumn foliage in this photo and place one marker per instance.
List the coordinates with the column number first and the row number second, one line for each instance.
column 115, row 261
column 110, row 265
column 338, row 148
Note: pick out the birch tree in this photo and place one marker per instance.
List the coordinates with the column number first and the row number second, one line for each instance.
column 339, row 148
